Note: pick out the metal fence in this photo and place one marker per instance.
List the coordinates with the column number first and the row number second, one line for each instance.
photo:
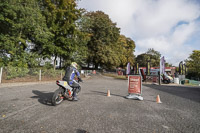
column 18, row 74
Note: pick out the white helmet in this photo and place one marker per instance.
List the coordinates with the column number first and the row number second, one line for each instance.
column 74, row 64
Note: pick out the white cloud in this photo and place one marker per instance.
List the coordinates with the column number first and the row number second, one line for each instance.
column 183, row 32
column 172, row 52
column 159, row 17
column 165, row 25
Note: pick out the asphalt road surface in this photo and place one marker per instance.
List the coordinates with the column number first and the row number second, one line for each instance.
column 27, row 109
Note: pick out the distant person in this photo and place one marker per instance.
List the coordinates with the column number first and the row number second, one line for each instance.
column 176, row 75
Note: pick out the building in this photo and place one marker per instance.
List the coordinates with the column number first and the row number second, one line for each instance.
column 169, row 70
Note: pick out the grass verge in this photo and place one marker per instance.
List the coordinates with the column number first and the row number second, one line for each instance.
column 115, row 76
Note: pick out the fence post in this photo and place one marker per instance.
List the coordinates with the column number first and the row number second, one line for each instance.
column 1, row 73
column 40, row 75
column 61, row 75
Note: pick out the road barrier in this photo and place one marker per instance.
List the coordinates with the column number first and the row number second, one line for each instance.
column 194, row 82
column 176, row 80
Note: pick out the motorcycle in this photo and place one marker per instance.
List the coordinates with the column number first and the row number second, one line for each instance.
column 64, row 92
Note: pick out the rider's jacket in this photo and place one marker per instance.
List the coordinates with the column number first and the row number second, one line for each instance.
column 70, row 74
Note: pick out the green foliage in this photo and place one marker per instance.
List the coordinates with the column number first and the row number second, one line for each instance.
column 151, row 55
column 48, row 65
column 125, row 49
column 33, row 60
column 21, row 22
column 61, row 17
column 34, row 71
column 123, row 77
column 13, row 72
column 50, row 72
column 81, row 54
column 103, row 38
column 193, row 64
column 168, row 64
column 57, row 28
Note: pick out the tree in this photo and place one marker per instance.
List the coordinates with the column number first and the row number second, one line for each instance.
column 193, row 64
column 154, row 57
column 151, row 55
column 61, row 17
column 103, row 39
column 125, row 50
column 21, row 23
column 168, row 64
column 80, row 56
column 142, row 59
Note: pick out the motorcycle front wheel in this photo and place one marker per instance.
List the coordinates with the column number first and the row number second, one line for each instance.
column 57, row 97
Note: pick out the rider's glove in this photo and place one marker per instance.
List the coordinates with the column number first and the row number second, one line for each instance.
column 80, row 80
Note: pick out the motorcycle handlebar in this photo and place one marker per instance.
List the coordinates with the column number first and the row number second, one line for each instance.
column 79, row 80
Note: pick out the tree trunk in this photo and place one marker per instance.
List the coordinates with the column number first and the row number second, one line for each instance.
column 60, row 63
column 96, row 66
column 54, row 63
column 88, row 65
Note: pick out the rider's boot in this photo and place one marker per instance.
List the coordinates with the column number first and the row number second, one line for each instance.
column 75, row 96
column 78, row 90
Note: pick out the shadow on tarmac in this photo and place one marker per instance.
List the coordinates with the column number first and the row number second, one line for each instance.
column 192, row 93
column 43, row 97
column 81, row 131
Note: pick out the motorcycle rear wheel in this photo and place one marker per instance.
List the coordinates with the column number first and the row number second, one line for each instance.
column 57, row 97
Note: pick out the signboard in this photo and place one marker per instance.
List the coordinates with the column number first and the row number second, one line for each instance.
column 155, row 79
column 134, row 84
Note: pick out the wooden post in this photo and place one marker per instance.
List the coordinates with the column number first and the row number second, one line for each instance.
column 40, row 75
column 61, row 75
column 1, row 73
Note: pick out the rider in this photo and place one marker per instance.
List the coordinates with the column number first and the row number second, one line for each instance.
column 70, row 73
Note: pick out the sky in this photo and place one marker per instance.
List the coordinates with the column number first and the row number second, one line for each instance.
column 171, row 27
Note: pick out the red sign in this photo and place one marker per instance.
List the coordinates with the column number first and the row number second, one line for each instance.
column 155, row 78
column 134, row 84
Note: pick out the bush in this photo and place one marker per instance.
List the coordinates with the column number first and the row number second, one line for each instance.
column 115, row 76
column 13, row 72
column 34, row 71
column 50, row 72
column 48, row 65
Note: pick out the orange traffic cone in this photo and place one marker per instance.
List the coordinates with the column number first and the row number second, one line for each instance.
column 158, row 99
column 108, row 93
column 94, row 72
